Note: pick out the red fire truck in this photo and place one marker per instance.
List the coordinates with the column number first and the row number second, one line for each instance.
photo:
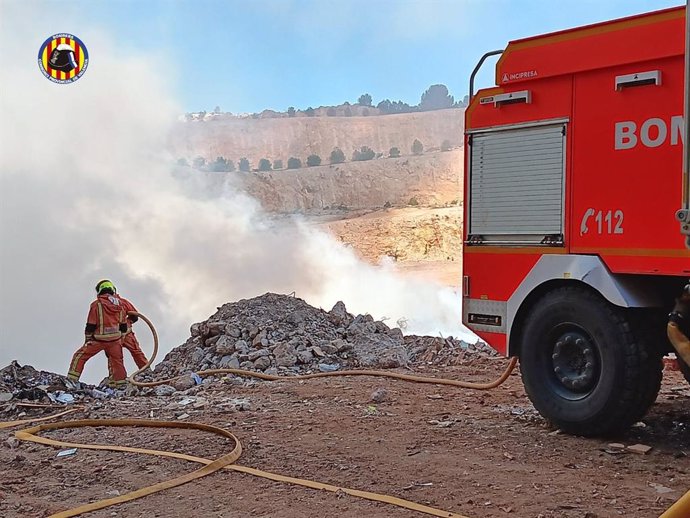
column 574, row 195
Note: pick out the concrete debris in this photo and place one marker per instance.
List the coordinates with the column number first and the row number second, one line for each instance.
column 442, row 424
column 660, row 489
column 164, row 390
column 642, row 449
column 379, row 395
column 239, row 404
column 184, row 382
column 281, row 334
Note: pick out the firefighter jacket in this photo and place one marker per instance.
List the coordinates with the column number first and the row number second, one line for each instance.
column 107, row 319
column 128, row 306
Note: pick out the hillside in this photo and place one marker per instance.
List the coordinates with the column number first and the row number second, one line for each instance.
column 282, row 138
column 429, row 179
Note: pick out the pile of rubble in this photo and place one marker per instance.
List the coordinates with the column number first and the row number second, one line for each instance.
column 281, row 334
column 273, row 334
column 26, row 383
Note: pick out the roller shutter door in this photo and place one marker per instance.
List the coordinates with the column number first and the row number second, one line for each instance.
column 516, row 182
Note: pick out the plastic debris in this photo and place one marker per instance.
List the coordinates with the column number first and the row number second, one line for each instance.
column 65, row 398
column 326, row 367
column 197, row 379
column 98, row 394
column 66, row 453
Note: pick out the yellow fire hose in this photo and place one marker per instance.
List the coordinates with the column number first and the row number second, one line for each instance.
column 269, row 377
column 678, row 510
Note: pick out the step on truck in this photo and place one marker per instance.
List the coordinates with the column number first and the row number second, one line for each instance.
column 576, row 214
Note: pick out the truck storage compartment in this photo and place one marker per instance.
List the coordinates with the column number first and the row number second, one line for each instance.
column 516, row 185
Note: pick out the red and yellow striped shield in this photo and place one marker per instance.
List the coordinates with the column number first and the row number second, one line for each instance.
column 63, row 58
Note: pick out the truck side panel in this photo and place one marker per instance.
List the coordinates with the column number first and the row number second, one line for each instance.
column 625, row 180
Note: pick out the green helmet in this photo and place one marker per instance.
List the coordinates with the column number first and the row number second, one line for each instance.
column 104, row 285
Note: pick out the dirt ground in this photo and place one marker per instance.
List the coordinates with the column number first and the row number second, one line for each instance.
column 479, row 454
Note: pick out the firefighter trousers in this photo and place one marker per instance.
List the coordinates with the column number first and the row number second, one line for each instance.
column 116, row 365
column 131, row 343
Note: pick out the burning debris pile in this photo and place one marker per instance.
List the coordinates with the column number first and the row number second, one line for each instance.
column 281, row 334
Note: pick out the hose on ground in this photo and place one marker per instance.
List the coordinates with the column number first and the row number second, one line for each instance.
column 226, row 461
column 269, row 377
column 210, row 466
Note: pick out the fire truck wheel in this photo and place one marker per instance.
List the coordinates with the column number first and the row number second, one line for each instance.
column 582, row 366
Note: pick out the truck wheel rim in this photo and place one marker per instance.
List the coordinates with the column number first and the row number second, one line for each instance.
column 575, row 361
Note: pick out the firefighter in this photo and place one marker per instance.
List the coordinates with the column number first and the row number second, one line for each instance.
column 129, row 341
column 105, row 326
column 678, row 328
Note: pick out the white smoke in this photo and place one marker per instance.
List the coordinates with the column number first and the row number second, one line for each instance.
column 87, row 192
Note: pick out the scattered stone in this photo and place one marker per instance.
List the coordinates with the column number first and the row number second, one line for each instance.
column 660, row 489
column 285, row 355
column 326, row 367
column 183, row 416
column 12, row 442
column 5, row 396
column 164, row 390
column 641, row 449
column 225, row 345
column 255, row 355
column 442, row 424
column 614, row 448
column 241, row 346
column 379, row 395
column 238, row 404
column 338, row 315
column 184, row 382
column 262, row 363
column 304, row 357
column 232, row 331
column 229, row 362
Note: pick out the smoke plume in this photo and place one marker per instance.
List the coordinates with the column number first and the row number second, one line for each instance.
column 88, row 191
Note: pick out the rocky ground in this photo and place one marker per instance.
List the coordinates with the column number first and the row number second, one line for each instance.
column 475, row 453
column 481, row 454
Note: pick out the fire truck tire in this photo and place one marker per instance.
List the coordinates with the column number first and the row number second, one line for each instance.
column 583, row 367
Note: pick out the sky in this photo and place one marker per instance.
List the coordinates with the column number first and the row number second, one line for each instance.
column 246, row 56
